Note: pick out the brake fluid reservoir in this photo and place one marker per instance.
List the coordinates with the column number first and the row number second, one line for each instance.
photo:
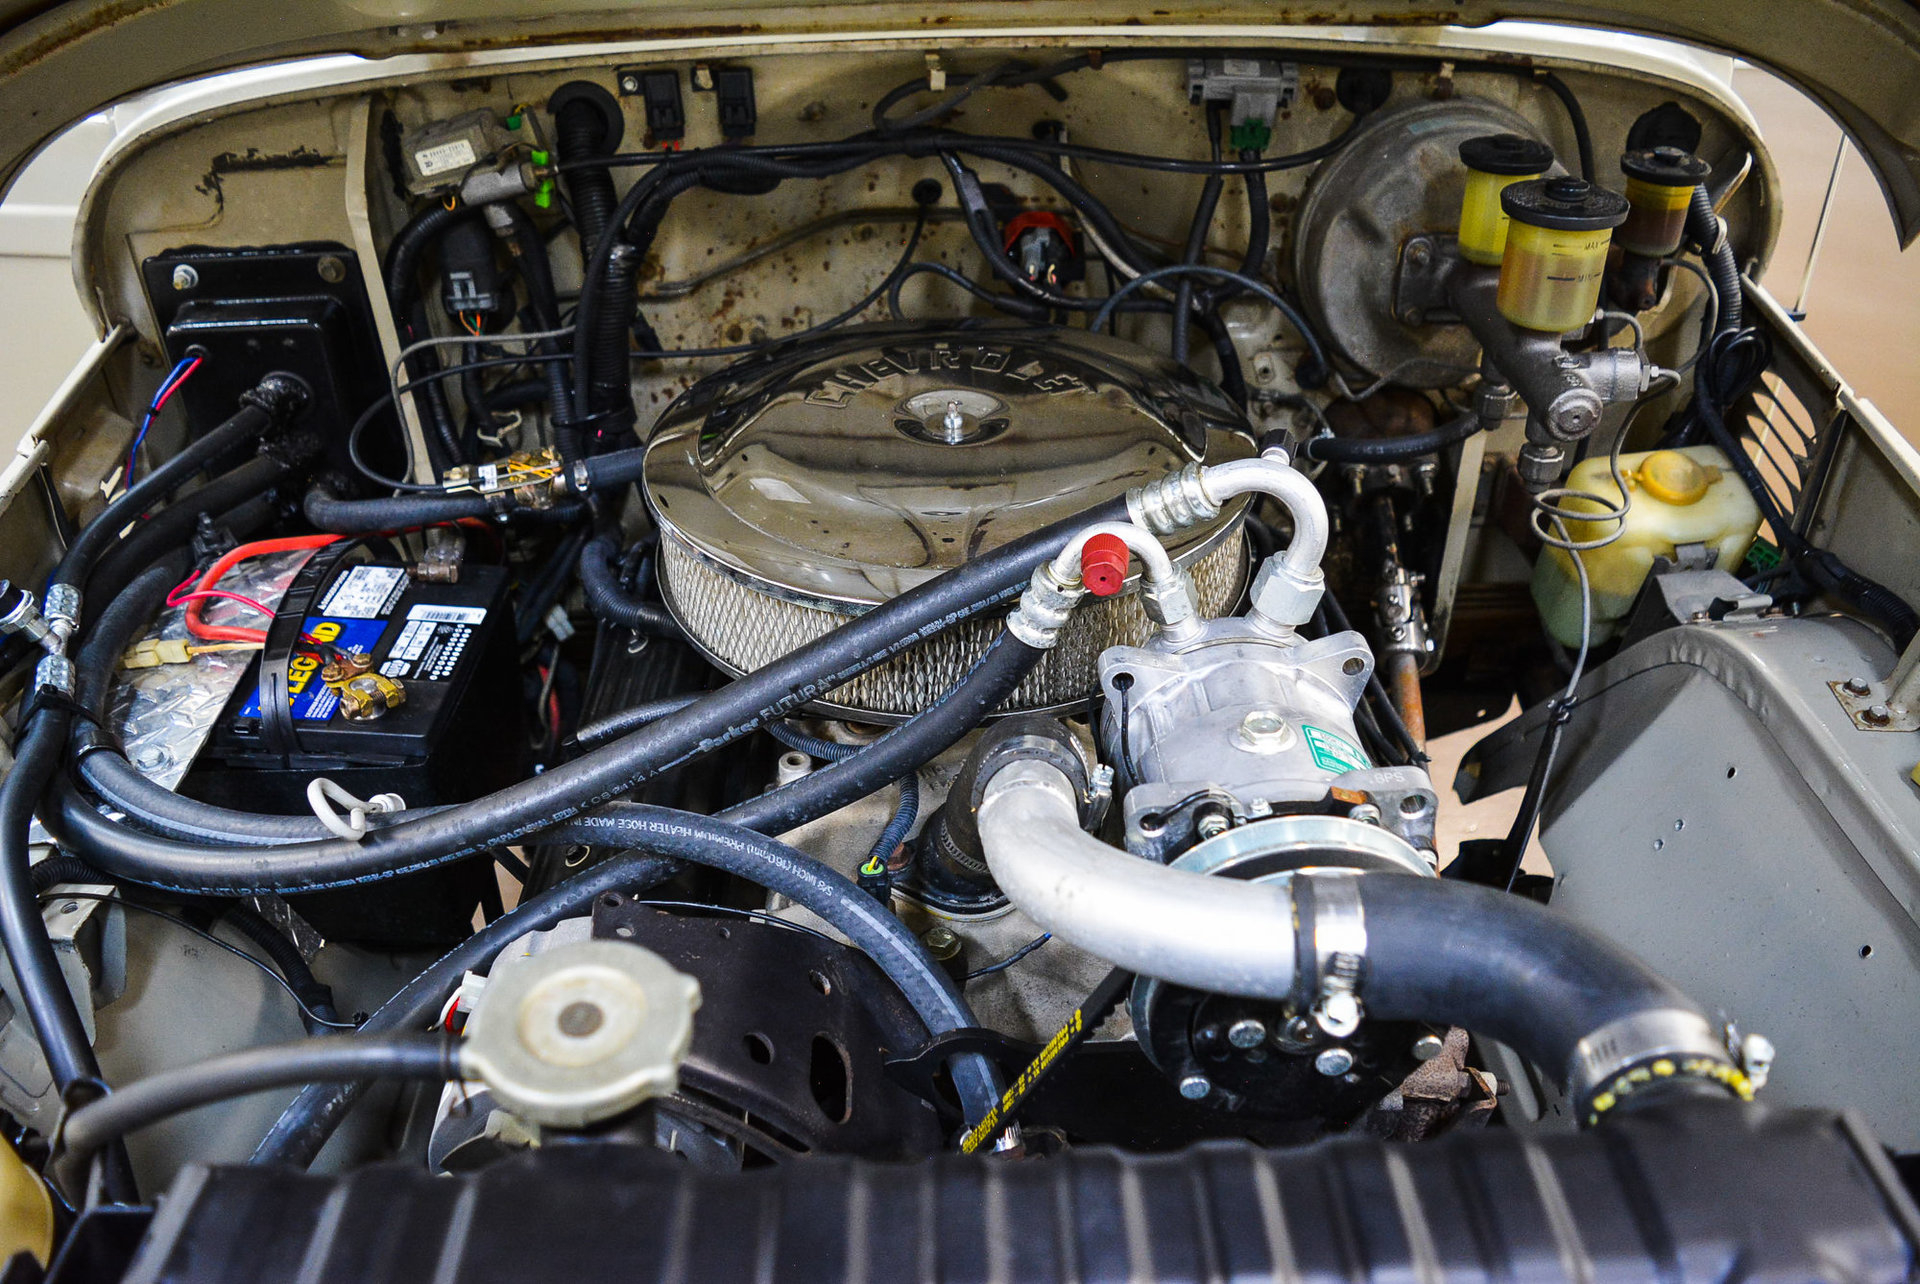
column 1686, row 496
column 1556, row 251
column 1660, row 183
column 1494, row 163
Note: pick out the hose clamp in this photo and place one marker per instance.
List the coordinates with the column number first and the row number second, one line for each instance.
column 1644, row 1049
column 1333, row 927
column 1177, row 502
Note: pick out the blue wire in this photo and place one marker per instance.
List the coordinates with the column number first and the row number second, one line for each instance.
column 904, row 815
column 153, row 408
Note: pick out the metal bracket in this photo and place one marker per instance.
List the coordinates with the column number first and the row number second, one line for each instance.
column 1420, row 280
column 1870, row 705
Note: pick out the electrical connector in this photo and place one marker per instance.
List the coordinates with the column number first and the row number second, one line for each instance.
column 732, row 89
column 659, row 91
column 151, row 653
column 1256, row 89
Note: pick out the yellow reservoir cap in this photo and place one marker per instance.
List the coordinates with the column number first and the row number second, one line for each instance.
column 1673, row 478
column 1556, row 251
column 1494, row 163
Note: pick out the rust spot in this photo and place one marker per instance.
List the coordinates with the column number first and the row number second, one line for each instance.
column 254, row 159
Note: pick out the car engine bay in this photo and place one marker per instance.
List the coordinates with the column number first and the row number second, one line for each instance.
column 606, row 630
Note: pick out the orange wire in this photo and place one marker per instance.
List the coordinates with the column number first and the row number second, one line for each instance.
column 233, row 633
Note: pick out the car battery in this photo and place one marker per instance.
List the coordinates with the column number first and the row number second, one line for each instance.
column 385, row 684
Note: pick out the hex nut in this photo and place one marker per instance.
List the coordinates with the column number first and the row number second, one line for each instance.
column 1280, row 596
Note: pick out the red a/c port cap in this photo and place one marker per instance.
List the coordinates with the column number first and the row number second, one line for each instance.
column 1103, row 564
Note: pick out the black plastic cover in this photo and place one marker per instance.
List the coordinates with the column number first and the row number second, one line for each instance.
column 1714, row 1192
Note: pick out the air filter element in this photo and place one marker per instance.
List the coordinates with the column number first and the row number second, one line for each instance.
column 805, row 487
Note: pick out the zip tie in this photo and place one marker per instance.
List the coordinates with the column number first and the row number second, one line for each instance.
column 323, row 793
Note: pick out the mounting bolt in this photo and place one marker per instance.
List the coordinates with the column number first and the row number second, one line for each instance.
column 1210, row 825
column 184, row 276
column 1411, row 315
column 1247, row 1033
column 629, row 83
column 1333, row 1062
column 1420, row 253
column 1195, row 1087
column 1877, row 716
column 1858, row 686
column 331, row 269
column 1428, row 1046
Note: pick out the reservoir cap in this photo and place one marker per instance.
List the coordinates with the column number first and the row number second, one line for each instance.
column 1564, row 204
column 1506, row 154
column 1673, row 478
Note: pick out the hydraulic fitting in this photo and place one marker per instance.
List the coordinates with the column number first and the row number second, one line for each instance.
column 1044, row 608
column 1284, row 598
column 19, row 615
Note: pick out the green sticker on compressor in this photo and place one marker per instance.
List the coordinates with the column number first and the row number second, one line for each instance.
column 1334, row 753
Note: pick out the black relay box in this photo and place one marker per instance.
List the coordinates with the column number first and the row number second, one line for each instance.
column 457, row 732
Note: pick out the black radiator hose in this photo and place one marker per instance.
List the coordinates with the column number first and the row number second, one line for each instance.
column 1703, row 227
column 611, row 604
column 1507, row 968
